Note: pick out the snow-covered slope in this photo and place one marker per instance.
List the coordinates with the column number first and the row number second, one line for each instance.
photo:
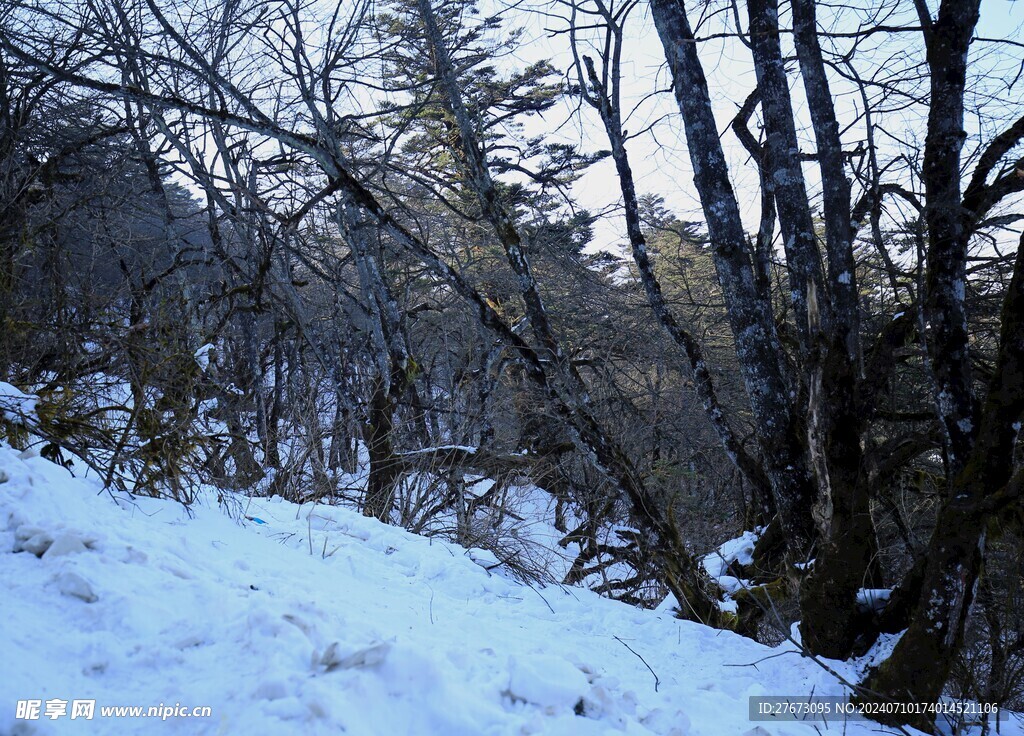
column 309, row 620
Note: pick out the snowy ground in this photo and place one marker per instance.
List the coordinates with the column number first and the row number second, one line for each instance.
column 321, row 621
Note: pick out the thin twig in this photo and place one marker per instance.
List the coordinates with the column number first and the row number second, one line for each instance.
column 657, row 680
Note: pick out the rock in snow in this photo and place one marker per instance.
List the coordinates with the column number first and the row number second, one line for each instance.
column 65, row 544
column 135, row 602
column 550, row 682
column 74, row 585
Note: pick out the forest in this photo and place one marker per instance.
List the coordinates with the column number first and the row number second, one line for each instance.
column 694, row 268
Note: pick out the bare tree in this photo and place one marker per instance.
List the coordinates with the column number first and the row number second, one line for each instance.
column 287, row 114
column 824, row 464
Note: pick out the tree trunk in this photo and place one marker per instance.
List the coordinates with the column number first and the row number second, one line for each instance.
column 780, row 428
column 385, row 468
column 920, row 663
column 390, row 353
column 948, row 39
column 562, row 383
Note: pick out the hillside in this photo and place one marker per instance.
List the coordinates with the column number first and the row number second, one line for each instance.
column 313, row 619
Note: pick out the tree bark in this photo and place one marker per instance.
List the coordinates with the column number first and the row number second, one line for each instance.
column 948, row 40
column 829, row 617
column 385, row 467
column 391, row 355
column 780, row 428
column 803, row 259
column 920, row 663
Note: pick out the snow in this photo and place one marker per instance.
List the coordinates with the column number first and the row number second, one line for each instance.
column 441, row 448
column 16, row 405
column 873, row 599
column 739, row 550
column 202, row 356
column 548, row 681
column 880, row 651
column 321, row 621
column 717, row 565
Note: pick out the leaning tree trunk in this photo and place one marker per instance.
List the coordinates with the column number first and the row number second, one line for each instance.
column 605, row 99
column 779, row 426
column 555, row 373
